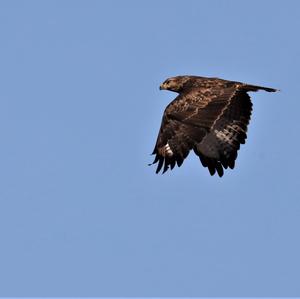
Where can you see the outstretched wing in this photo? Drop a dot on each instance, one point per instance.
(188, 123)
(218, 149)
(174, 142)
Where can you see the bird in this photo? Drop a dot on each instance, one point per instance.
(209, 116)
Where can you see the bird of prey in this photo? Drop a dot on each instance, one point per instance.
(209, 116)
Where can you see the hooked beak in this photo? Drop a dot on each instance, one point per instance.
(161, 87)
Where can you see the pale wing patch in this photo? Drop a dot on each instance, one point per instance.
(166, 151)
(220, 142)
(229, 133)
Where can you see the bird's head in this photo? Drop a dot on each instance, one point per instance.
(176, 84)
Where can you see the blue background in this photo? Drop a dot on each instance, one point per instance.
(81, 213)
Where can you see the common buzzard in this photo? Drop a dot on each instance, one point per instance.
(209, 116)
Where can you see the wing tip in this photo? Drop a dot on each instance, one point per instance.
(166, 163)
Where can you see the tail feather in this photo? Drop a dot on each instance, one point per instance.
(248, 87)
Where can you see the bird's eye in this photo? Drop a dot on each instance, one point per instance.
(167, 82)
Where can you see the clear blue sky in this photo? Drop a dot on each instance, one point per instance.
(81, 213)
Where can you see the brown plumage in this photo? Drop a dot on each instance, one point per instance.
(209, 116)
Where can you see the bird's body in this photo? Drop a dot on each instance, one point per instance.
(209, 116)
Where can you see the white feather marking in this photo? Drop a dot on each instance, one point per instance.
(227, 133)
(168, 150)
